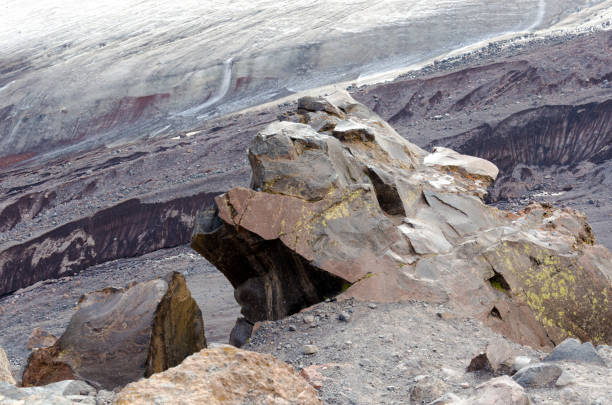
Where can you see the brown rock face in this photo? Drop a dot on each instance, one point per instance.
(39, 339)
(339, 200)
(222, 376)
(120, 335)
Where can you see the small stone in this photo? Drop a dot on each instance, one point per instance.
(372, 305)
(309, 349)
(308, 319)
(39, 339)
(344, 317)
(105, 397)
(495, 359)
(292, 328)
(312, 375)
(427, 390)
(538, 375)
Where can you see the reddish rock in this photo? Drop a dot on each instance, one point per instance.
(348, 206)
(313, 376)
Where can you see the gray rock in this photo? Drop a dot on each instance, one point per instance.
(82, 399)
(427, 389)
(538, 375)
(344, 317)
(500, 390)
(241, 332)
(309, 349)
(60, 393)
(572, 350)
(309, 319)
(105, 397)
(447, 399)
(564, 380)
(74, 387)
(496, 359)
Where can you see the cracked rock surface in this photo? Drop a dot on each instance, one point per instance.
(340, 203)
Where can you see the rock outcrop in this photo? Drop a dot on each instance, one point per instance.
(223, 376)
(6, 375)
(120, 335)
(340, 203)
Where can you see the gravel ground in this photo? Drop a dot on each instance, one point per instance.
(387, 353)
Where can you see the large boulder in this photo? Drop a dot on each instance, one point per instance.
(224, 375)
(120, 335)
(340, 203)
(6, 375)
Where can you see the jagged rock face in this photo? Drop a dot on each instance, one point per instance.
(120, 335)
(223, 376)
(341, 196)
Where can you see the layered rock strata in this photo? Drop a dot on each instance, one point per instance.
(120, 335)
(131, 228)
(340, 202)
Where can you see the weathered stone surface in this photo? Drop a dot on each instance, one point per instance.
(498, 391)
(446, 399)
(448, 158)
(119, 335)
(66, 392)
(6, 374)
(222, 376)
(427, 389)
(538, 375)
(572, 350)
(497, 359)
(350, 205)
(39, 339)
